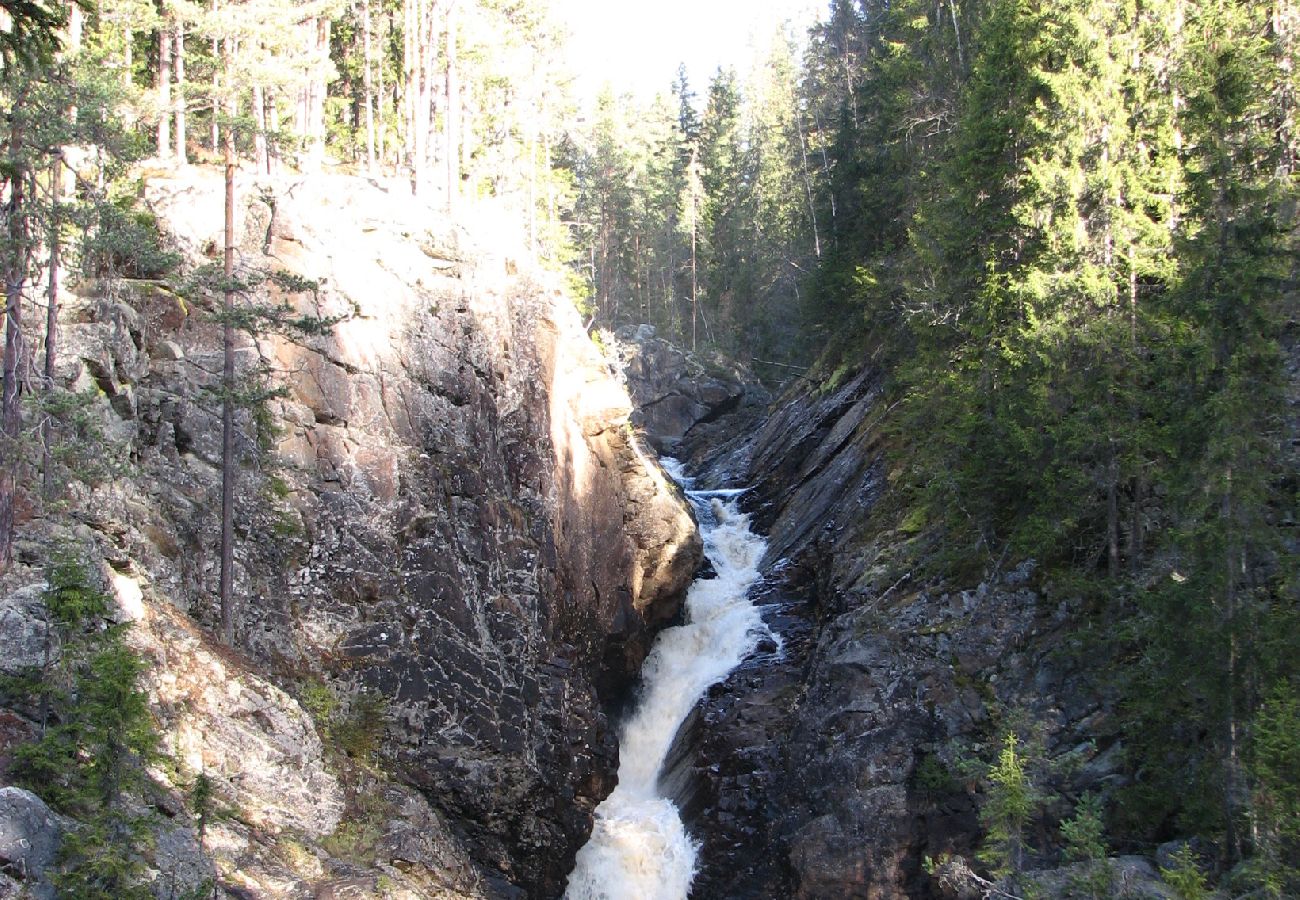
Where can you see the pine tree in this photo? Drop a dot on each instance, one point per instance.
(726, 211)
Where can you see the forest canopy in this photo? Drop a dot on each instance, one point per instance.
(1063, 231)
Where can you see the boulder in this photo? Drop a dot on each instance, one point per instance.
(22, 629)
(29, 839)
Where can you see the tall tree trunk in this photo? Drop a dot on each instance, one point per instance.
(695, 299)
(408, 82)
(216, 90)
(381, 102)
(260, 157)
(422, 93)
(317, 123)
(272, 120)
(15, 278)
(76, 26)
(178, 99)
(51, 324)
(451, 112)
(531, 143)
(228, 463)
(128, 59)
(1283, 26)
(368, 87)
(808, 190)
(1112, 513)
(164, 84)
(1235, 793)
(1139, 452)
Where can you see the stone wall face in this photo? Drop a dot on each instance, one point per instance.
(445, 506)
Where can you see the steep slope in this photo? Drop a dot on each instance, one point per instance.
(442, 506)
(835, 769)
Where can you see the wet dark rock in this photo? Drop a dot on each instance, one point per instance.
(799, 772)
(677, 392)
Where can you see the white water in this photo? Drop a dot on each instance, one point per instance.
(639, 848)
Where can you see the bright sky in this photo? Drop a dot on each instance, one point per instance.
(636, 45)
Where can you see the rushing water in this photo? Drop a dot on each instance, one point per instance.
(639, 848)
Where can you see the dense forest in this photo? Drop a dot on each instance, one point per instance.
(1064, 231)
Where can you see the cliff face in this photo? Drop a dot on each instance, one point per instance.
(444, 506)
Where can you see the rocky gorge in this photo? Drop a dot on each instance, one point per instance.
(450, 518)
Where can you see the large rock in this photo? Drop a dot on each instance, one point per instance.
(675, 390)
(22, 629)
(30, 835)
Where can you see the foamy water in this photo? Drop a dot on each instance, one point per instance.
(639, 848)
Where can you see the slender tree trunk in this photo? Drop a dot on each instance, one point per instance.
(322, 49)
(551, 215)
(808, 191)
(1139, 481)
(76, 26)
(1234, 780)
(381, 102)
(47, 658)
(826, 165)
(164, 83)
(531, 143)
(51, 324)
(128, 58)
(423, 94)
(261, 160)
(420, 107)
(182, 114)
(1283, 26)
(216, 91)
(408, 83)
(273, 123)
(952, 9)
(368, 87)
(15, 278)
(1112, 514)
(694, 288)
(228, 463)
(451, 112)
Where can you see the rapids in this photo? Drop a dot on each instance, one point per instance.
(639, 848)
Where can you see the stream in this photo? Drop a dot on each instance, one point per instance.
(639, 848)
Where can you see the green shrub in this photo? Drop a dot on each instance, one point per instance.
(1085, 842)
(360, 734)
(98, 735)
(1009, 802)
(933, 779)
(1186, 877)
(1276, 796)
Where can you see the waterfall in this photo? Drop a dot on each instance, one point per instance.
(639, 848)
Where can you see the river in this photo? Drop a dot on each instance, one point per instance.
(639, 848)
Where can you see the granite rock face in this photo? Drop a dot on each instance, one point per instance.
(675, 390)
(29, 841)
(443, 506)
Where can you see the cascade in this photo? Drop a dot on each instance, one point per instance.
(639, 848)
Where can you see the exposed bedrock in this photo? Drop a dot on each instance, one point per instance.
(448, 507)
(677, 392)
